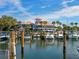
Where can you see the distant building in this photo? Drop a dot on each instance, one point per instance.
(43, 25)
(40, 25)
(28, 22)
(21, 29)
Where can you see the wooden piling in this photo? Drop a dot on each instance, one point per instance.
(16, 37)
(31, 38)
(12, 46)
(22, 42)
(64, 45)
(31, 33)
(0, 35)
(22, 55)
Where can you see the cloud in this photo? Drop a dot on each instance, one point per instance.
(18, 4)
(66, 12)
(45, 6)
(24, 11)
(3, 3)
(9, 12)
(46, 3)
(65, 2)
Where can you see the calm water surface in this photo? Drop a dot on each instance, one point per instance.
(40, 49)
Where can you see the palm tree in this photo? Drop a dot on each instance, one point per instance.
(72, 24)
(58, 23)
(64, 27)
(76, 24)
(53, 23)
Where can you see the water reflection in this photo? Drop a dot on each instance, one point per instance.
(22, 54)
(3, 51)
(64, 50)
(41, 44)
(42, 49)
(34, 48)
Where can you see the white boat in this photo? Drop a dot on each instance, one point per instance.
(36, 36)
(4, 34)
(49, 36)
(74, 35)
(60, 35)
(4, 38)
(27, 37)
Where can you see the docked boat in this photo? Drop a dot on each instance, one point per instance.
(59, 35)
(4, 37)
(27, 36)
(49, 36)
(36, 36)
(74, 35)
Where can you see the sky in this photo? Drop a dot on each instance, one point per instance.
(51, 10)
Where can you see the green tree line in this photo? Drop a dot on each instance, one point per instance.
(6, 22)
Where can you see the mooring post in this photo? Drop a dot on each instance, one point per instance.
(0, 36)
(22, 42)
(12, 46)
(64, 45)
(16, 37)
(31, 33)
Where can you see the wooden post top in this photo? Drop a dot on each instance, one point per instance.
(13, 36)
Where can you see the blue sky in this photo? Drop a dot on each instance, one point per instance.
(64, 10)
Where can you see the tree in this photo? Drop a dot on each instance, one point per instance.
(76, 28)
(53, 22)
(59, 28)
(76, 24)
(58, 23)
(6, 22)
(71, 23)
